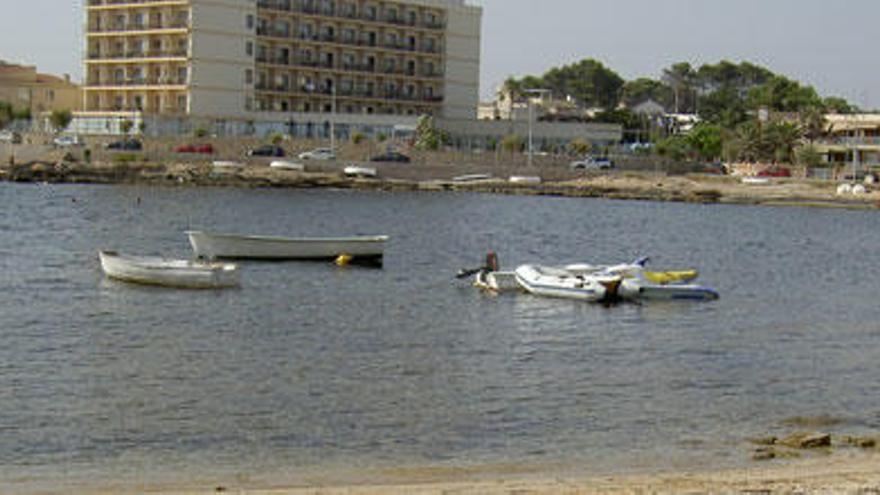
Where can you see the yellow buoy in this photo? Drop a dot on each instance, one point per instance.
(344, 259)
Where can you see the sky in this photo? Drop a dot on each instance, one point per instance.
(827, 44)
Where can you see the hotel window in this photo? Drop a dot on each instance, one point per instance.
(249, 21)
(181, 75)
(249, 48)
(248, 76)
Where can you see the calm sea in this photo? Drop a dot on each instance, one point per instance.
(309, 369)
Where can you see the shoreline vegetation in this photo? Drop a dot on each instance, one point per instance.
(642, 185)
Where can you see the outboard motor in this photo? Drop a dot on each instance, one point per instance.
(492, 264)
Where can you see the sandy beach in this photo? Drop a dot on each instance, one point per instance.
(849, 473)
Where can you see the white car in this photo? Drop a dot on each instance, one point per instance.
(67, 141)
(592, 163)
(318, 154)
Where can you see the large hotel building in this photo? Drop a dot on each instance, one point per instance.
(279, 63)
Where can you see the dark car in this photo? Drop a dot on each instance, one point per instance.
(391, 156)
(126, 145)
(267, 150)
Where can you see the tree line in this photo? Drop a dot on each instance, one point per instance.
(726, 96)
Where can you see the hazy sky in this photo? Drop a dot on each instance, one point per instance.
(832, 45)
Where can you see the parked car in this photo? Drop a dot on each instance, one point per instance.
(775, 171)
(592, 163)
(318, 154)
(129, 144)
(391, 156)
(10, 137)
(67, 141)
(267, 150)
(195, 148)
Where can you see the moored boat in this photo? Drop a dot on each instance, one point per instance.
(154, 270)
(635, 288)
(214, 245)
(285, 165)
(558, 282)
(358, 171)
(496, 281)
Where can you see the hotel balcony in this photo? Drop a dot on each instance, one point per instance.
(134, 27)
(110, 4)
(355, 94)
(312, 9)
(362, 68)
(357, 42)
(134, 56)
(156, 83)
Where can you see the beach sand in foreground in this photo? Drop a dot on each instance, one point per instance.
(840, 473)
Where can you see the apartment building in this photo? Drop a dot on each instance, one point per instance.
(26, 89)
(281, 62)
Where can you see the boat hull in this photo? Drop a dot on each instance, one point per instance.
(214, 246)
(554, 282)
(496, 281)
(163, 272)
(635, 289)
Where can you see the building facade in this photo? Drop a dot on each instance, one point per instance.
(281, 63)
(24, 88)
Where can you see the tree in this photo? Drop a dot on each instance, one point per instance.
(589, 82)
(125, 126)
(276, 138)
(644, 89)
(813, 123)
(681, 78)
(200, 132)
(60, 119)
(512, 143)
(836, 104)
(358, 137)
(5, 113)
(579, 147)
(428, 137)
(706, 140)
(782, 138)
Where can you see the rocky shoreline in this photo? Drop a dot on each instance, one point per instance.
(625, 185)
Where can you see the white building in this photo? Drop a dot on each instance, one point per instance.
(291, 65)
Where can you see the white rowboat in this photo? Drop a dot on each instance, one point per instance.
(154, 270)
(212, 246)
(285, 165)
(555, 282)
(357, 171)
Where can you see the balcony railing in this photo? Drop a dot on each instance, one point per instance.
(359, 42)
(108, 3)
(363, 93)
(137, 81)
(135, 54)
(345, 66)
(134, 26)
(851, 141)
(382, 17)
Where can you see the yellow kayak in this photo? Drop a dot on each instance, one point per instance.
(670, 277)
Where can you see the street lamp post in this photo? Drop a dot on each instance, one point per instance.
(539, 92)
(333, 119)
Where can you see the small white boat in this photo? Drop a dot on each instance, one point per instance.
(524, 179)
(213, 245)
(227, 164)
(153, 270)
(558, 282)
(755, 181)
(471, 177)
(285, 165)
(496, 281)
(358, 171)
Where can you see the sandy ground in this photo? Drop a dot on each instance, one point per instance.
(840, 473)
